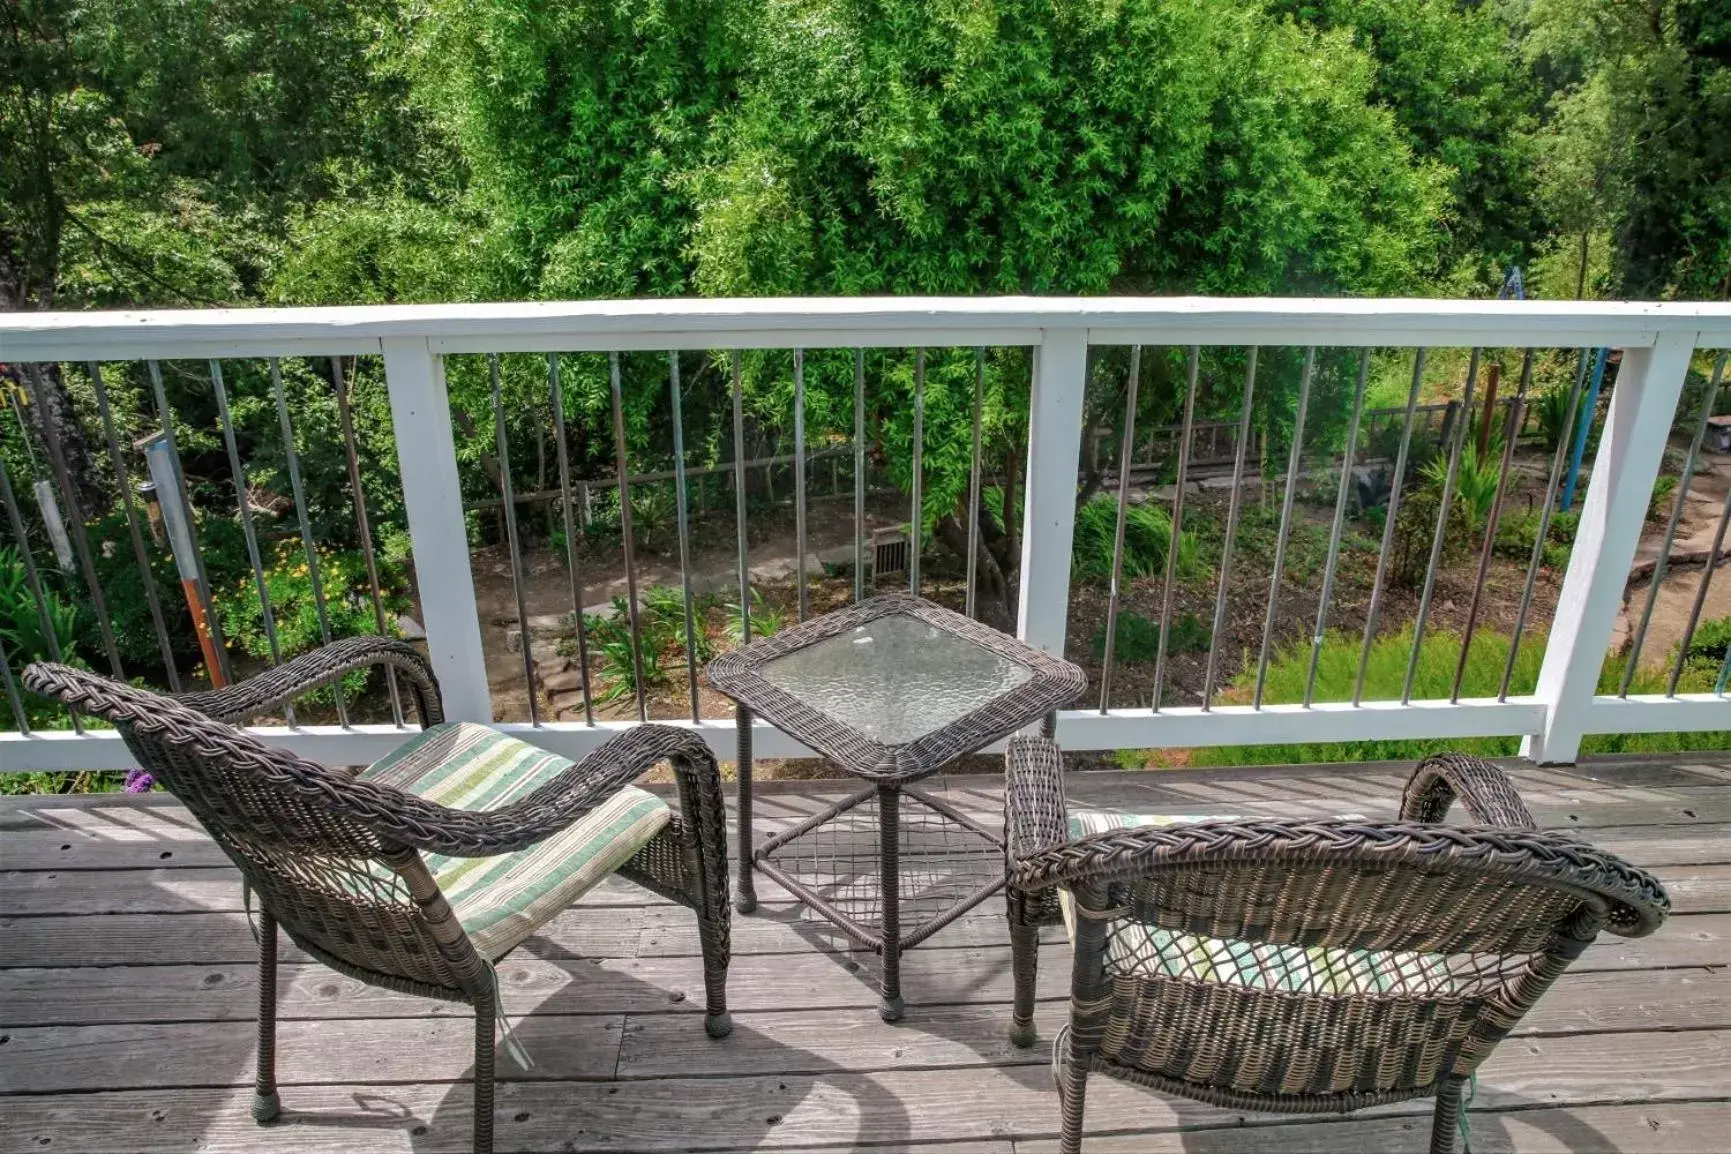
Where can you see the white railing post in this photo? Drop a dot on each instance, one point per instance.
(433, 498)
(1049, 506)
(1631, 449)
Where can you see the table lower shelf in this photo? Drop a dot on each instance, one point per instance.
(948, 864)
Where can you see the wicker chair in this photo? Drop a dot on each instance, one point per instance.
(1304, 966)
(337, 859)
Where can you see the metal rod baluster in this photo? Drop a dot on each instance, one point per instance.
(799, 474)
(314, 576)
(747, 900)
(739, 499)
(859, 477)
(685, 531)
(1700, 598)
(33, 580)
(1440, 537)
(1175, 538)
(1660, 563)
(1240, 451)
(1378, 583)
(501, 443)
(1544, 527)
(558, 398)
(207, 609)
(1130, 387)
(1511, 430)
(1335, 530)
(18, 714)
(76, 525)
(363, 527)
(919, 465)
(625, 532)
(238, 473)
(974, 485)
(139, 553)
(1293, 464)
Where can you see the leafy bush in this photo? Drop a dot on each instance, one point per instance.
(610, 642)
(1415, 533)
(1337, 669)
(1516, 532)
(766, 621)
(1147, 538)
(288, 580)
(1550, 410)
(1659, 506)
(1711, 640)
(1475, 482)
(664, 603)
(20, 620)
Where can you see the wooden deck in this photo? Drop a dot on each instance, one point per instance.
(127, 995)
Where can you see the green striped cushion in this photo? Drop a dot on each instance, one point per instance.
(502, 900)
(1153, 951)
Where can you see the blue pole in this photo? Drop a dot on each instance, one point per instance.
(1586, 422)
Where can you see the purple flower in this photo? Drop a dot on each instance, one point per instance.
(138, 781)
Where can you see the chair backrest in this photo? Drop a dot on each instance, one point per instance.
(1260, 960)
(312, 842)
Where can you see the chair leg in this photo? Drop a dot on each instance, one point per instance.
(747, 900)
(1448, 1104)
(1025, 962)
(890, 897)
(1072, 1079)
(485, 1013)
(714, 940)
(265, 1103)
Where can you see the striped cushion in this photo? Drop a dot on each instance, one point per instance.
(503, 899)
(1152, 951)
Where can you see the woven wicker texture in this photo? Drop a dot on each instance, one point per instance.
(336, 860)
(1306, 965)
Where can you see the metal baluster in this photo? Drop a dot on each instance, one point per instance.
(1334, 532)
(974, 485)
(80, 537)
(18, 713)
(1544, 526)
(685, 531)
(859, 477)
(919, 466)
(510, 507)
(739, 500)
(1700, 597)
(1377, 584)
(1130, 387)
(1439, 538)
(557, 389)
(139, 553)
(1511, 430)
(799, 474)
(1724, 674)
(239, 475)
(1240, 450)
(1293, 464)
(625, 533)
(207, 608)
(363, 527)
(1172, 543)
(33, 580)
(314, 575)
(1660, 563)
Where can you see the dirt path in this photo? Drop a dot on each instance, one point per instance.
(1682, 580)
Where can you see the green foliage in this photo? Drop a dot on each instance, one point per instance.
(21, 620)
(1147, 540)
(1139, 638)
(289, 583)
(1712, 638)
(1516, 532)
(766, 621)
(1476, 481)
(610, 643)
(1415, 532)
(1337, 670)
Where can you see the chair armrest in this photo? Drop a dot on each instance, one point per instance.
(1486, 791)
(261, 694)
(1034, 814)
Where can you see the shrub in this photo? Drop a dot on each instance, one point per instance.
(21, 621)
(1550, 410)
(1711, 640)
(1475, 483)
(1515, 535)
(1415, 532)
(766, 621)
(610, 642)
(1147, 538)
(1660, 503)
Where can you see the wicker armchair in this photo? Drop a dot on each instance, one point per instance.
(354, 868)
(1304, 966)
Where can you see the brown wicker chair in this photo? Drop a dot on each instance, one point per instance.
(336, 859)
(1304, 966)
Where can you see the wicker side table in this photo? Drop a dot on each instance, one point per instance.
(890, 690)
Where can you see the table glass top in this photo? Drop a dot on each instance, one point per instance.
(896, 678)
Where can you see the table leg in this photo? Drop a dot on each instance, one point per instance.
(747, 900)
(889, 856)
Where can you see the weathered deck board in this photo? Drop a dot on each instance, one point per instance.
(127, 993)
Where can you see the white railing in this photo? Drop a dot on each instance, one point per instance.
(1657, 339)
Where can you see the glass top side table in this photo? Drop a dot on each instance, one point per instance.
(891, 690)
